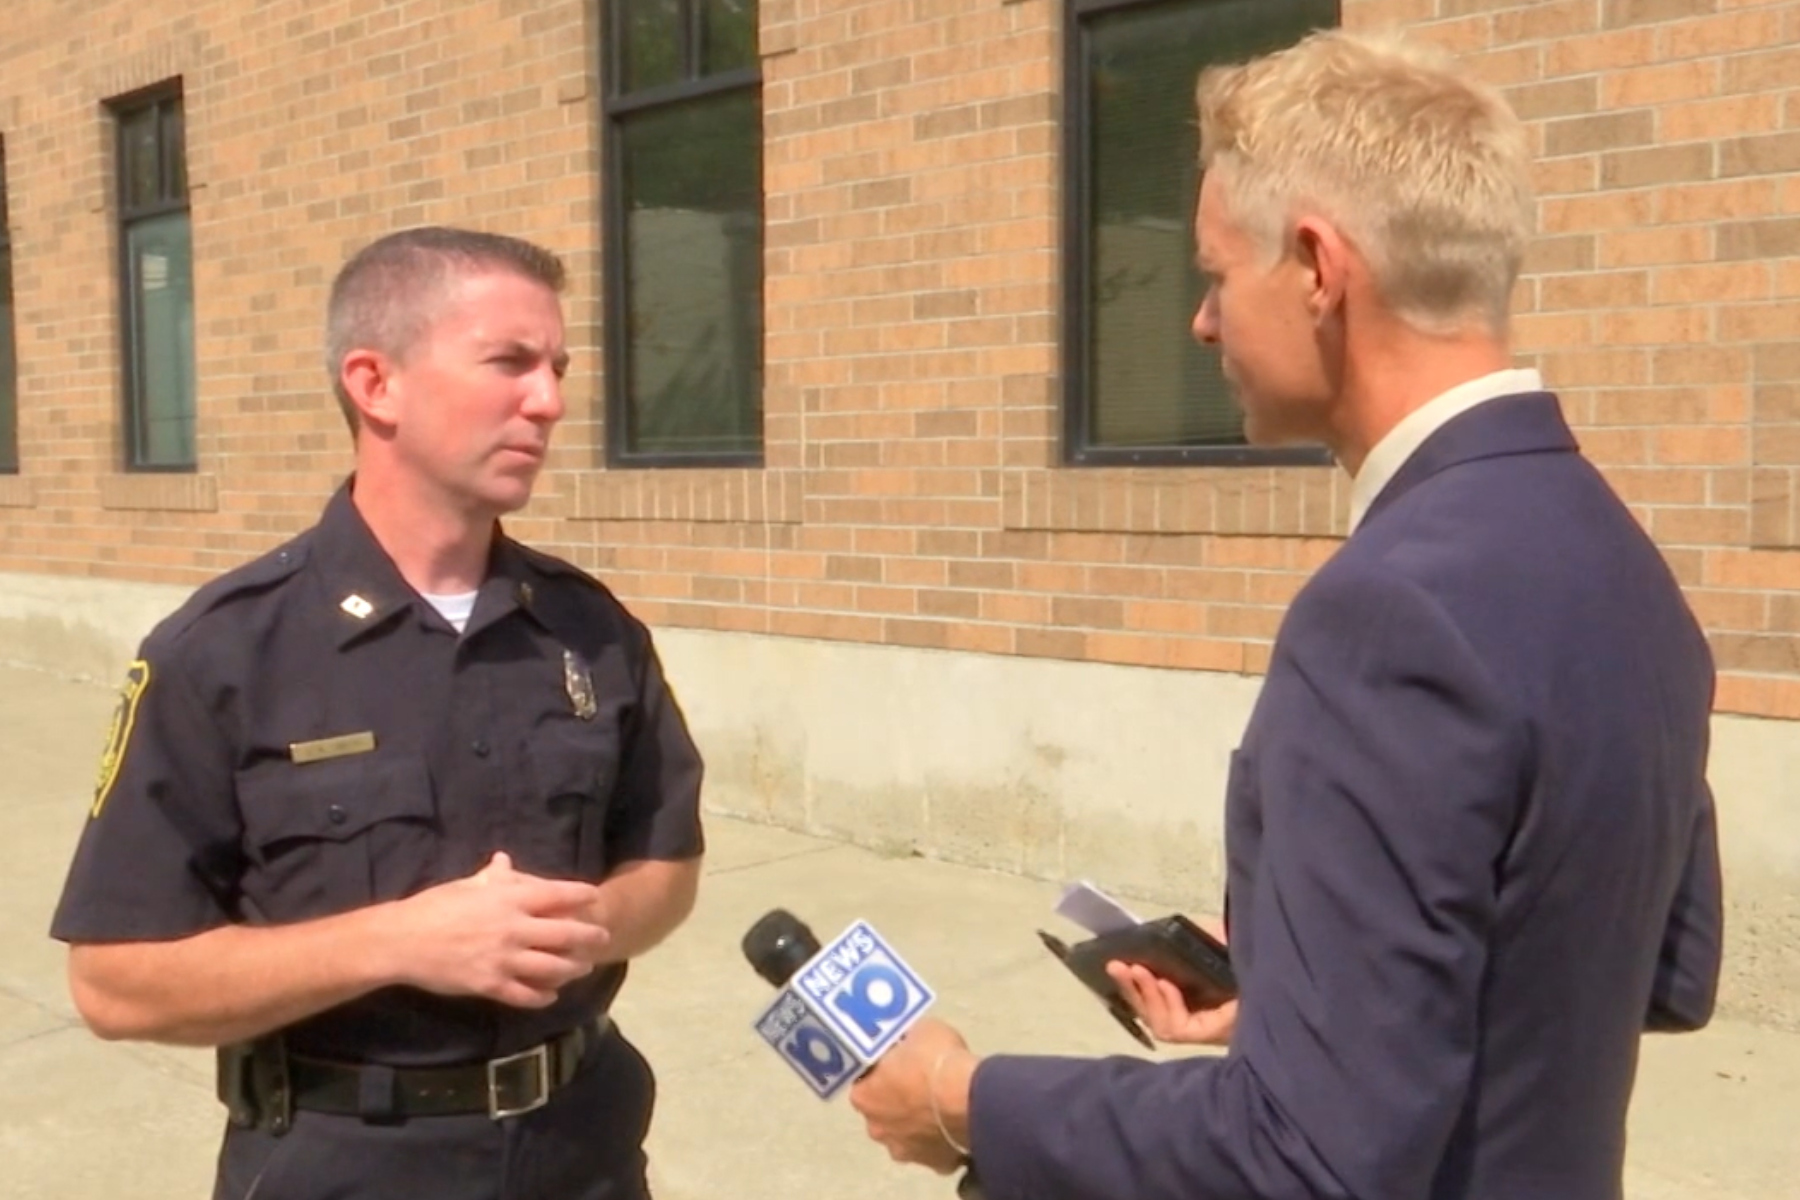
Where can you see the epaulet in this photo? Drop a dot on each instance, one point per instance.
(549, 564)
(256, 576)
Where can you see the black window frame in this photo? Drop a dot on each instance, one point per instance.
(1077, 253)
(615, 104)
(9, 342)
(162, 97)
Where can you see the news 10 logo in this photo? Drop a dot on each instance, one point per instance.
(843, 1009)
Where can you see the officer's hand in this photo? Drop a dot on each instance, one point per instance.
(500, 933)
(1159, 1003)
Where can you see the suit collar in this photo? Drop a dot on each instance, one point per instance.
(1527, 423)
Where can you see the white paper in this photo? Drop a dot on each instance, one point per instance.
(1093, 909)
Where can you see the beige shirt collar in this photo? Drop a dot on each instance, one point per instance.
(1392, 451)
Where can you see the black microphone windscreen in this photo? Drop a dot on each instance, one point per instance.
(778, 945)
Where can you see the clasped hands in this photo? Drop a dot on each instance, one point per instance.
(501, 933)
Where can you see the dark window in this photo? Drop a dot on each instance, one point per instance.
(684, 233)
(156, 282)
(9, 363)
(1137, 387)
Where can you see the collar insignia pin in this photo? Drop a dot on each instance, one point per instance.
(357, 607)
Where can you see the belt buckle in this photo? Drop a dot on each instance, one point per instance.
(500, 1091)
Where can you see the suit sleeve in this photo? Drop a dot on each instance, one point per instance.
(1385, 768)
(656, 807)
(159, 856)
(1687, 972)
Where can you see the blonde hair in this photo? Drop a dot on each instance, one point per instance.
(1426, 171)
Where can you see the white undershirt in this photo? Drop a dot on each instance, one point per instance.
(454, 609)
(1404, 439)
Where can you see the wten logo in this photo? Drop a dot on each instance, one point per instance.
(864, 990)
(807, 1045)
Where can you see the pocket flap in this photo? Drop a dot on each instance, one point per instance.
(332, 802)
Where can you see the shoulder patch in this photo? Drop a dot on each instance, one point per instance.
(137, 679)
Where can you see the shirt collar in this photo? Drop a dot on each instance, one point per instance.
(1404, 439)
(366, 589)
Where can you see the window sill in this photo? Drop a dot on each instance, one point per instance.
(1269, 501)
(160, 493)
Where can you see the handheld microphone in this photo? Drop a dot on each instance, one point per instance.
(838, 1007)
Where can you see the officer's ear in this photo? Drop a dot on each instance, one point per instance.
(370, 382)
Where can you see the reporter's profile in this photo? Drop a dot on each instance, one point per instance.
(1472, 852)
(387, 812)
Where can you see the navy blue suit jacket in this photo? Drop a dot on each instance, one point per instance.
(1472, 857)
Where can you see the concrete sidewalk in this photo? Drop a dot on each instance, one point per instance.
(1714, 1118)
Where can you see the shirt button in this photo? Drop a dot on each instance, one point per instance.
(479, 747)
(336, 814)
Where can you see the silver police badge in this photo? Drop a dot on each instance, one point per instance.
(580, 686)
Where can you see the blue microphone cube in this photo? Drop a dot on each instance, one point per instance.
(843, 1009)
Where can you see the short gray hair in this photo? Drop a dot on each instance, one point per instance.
(387, 295)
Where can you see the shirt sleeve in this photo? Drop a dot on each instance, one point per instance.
(655, 810)
(157, 858)
(1386, 769)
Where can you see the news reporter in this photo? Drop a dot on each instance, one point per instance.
(1473, 854)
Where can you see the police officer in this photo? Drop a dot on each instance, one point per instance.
(385, 813)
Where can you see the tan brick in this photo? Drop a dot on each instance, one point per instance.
(1655, 246)
(1555, 98)
(1593, 290)
(1603, 51)
(1708, 446)
(1658, 164)
(1723, 34)
(1723, 200)
(1710, 120)
(1760, 155)
(1759, 240)
(1605, 131)
(1760, 70)
(1658, 83)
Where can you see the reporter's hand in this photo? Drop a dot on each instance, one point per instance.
(500, 933)
(1161, 1006)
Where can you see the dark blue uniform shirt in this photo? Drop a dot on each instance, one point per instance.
(241, 785)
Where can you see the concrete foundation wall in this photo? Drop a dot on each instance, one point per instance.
(1051, 769)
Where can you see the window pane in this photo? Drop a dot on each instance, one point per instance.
(730, 35)
(174, 150)
(160, 258)
(693, 275)
(9, 367)
(141, 185)
(1149, 384)
(652, 35)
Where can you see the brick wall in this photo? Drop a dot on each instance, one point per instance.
(912, 493)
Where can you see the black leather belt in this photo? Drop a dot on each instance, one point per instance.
(500, 1087)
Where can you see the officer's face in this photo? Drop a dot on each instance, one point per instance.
(477, 396)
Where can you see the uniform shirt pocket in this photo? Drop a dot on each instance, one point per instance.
(573, 771)
(325, 838)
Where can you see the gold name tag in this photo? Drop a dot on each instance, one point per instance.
(336, 747)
